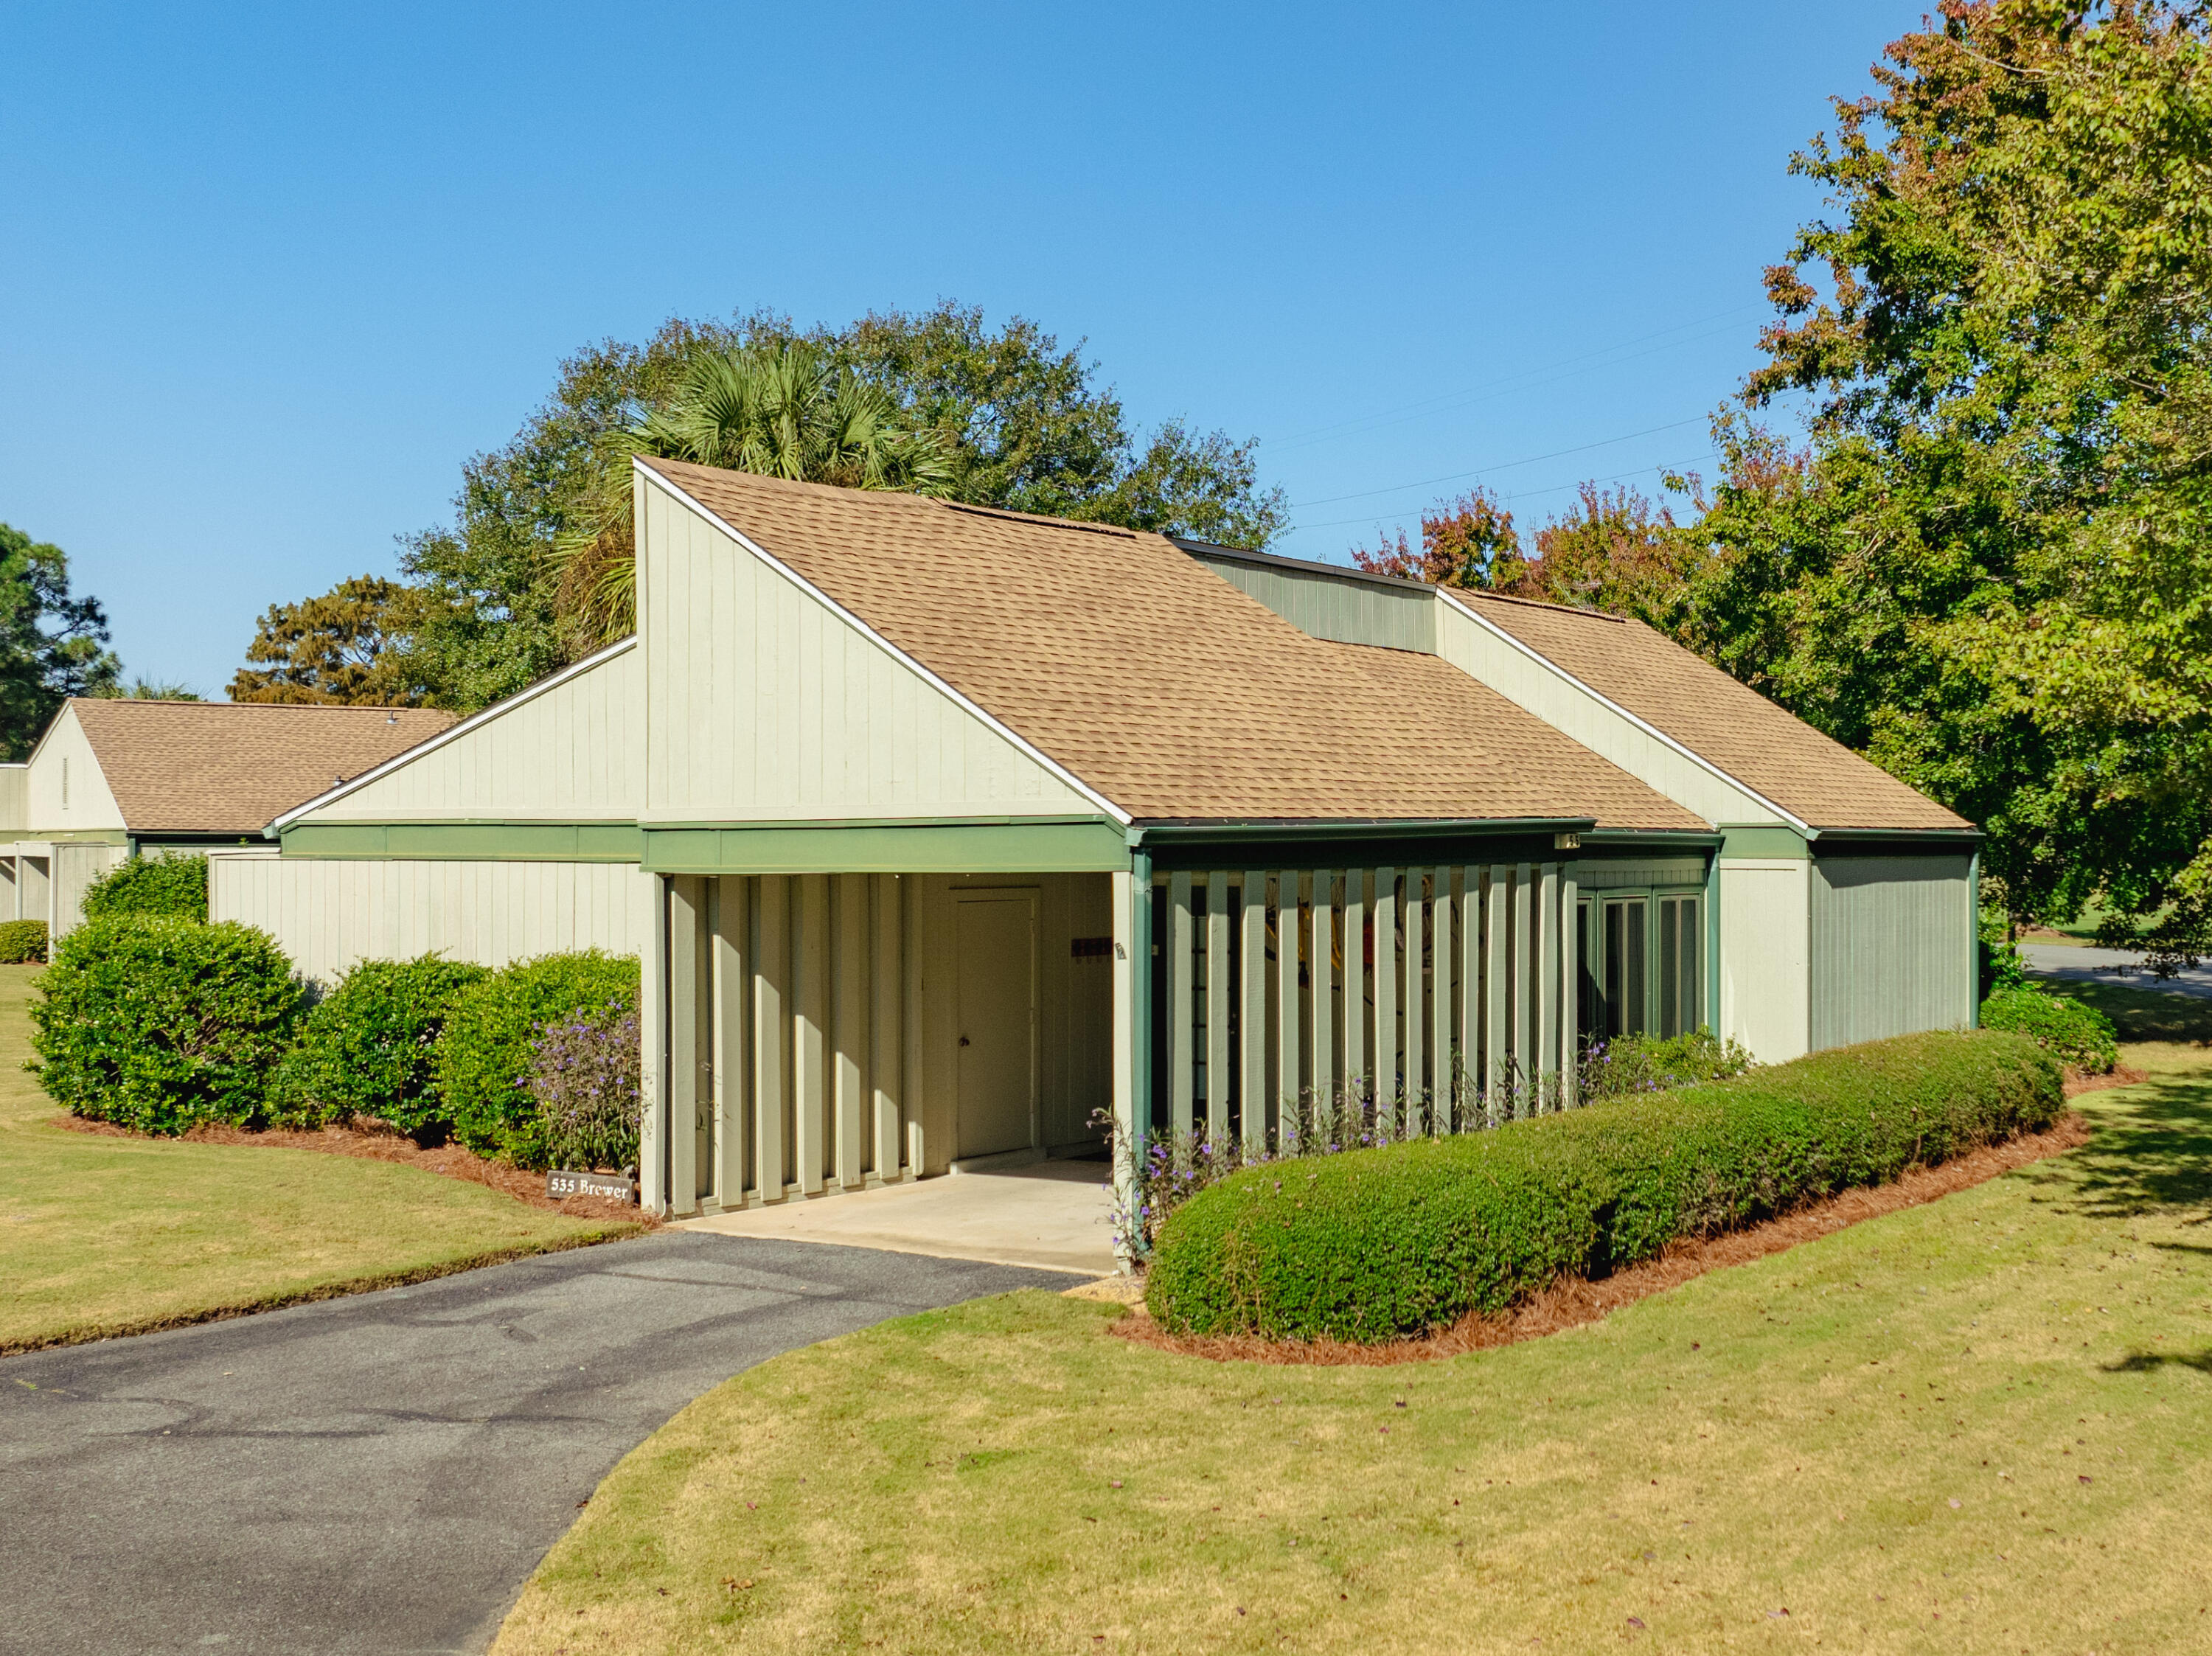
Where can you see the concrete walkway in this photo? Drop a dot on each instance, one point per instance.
(1053, 1215)
(379, 1475)
(2071, 964)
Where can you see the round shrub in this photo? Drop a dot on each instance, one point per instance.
(367, 1046)
(587, 1075)
(2071, 1031)
(175, 886)
(160, 1024)
(483, 1057)
(1378, 1243)
(21, 941)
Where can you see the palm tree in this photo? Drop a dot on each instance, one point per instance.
(790, 412)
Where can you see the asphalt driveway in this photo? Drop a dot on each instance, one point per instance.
(379, 1474)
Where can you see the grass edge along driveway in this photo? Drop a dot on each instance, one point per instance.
(1980, 1425)
(101, 1236)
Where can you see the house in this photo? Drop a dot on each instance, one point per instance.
(112, 779)
(941, 829)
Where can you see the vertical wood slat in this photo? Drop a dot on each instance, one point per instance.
(1571, 989)
(653, 1049)
(1252, 1007)
(1547, 982)
(1416, 1030)
(1470, 979)
(733, 972)
(771, 1031)
(913, 1101)
(1132, 978)
(810, 1093)
(1217, 1006)
(684, 1043)
(1524, 1034)
(1288, 1029)
(1497, 1058)
(850, 1023)
(888, 1042)
(1321, 979)
(1387, 1072)
(1356, 1046)
(1441, 1074)
(1180, 942)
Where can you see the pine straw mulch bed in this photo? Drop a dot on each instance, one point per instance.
(374, 1145)
(1575, 1301)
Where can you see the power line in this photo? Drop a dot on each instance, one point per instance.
(1531, 494)
(1506, 465)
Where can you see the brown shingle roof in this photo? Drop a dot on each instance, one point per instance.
(1770, 751)
(230, 767)
(1157, 682)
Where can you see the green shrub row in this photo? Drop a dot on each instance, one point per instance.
(161, 1023)
(1378, 1243)
(173, 886)
(21, 941)
(2070, 1030)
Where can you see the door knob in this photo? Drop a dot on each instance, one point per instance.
(963, 1040)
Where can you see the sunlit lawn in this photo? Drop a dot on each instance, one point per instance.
(105, 1235)
(1981, 1425)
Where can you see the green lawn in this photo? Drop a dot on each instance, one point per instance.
(1981, 1425)
(105, 1235)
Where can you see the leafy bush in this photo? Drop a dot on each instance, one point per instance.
(483, 1057)
(586, 1074)
(367, 1047)
(1647, 1064)
(2002, 966)
(2070, 1030)
(175, 886)
(21, 941)
(1376, 1244)
(160, 1023)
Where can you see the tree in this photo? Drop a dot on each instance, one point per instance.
(342, 646)
(506, 595)
(142, 688)
(53, 646)
(1470, 541)
(1990, 563)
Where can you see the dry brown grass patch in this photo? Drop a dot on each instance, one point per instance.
(1576, 1300)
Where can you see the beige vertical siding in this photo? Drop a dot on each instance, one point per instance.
(327, 915)
(74, 868)
(1765, 957)
(15, 800)
(572, 752)
(1892, 947)
(769, 705)
(1343, 608)
(90, 803)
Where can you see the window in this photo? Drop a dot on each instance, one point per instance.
(1623, 972)
(1681, 981)
(1642, 971)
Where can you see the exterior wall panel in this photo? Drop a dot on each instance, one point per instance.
(1765, 957)
(1892, 946)
(1351, 612)
(65, 792)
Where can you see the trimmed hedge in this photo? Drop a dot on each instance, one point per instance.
(484, 1056)
(22, 941)
(368, 1047)
(160, 1024)
(1378, 1243)
(174, 886)
(2070, 1030)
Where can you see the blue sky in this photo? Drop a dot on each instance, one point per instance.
(269, 275)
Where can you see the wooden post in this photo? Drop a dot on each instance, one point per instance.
(1356, 1046)
(1287, 1026)
(888, 1037)
(1388, 1075)
(734, 1171)
(652, 1041)
(1470, 980)
(1548, 984)
(1252, 1008)
(1416, 1020)
(1181, 941)
(1571, 989)
(684, 1044)
(771, 1034)
(809, 1031)
(1442, 1116)
(850, 1023)
(1497, 1056)
(1321, 979)
(1132, 968)
(1217, 1006)
(1524, 962)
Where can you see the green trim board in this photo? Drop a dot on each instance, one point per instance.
(1764, 843)
(1012, 848)
(471, 842)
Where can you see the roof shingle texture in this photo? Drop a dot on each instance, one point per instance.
(1157, 682)
(1773, 752)
(230, 767)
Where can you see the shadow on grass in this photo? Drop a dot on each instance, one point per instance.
(2144, 1362)
(2152, 1152)
(2141, 1013)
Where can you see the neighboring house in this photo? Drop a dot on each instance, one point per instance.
(115, 779)
(939, 829)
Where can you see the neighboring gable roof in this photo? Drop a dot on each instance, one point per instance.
(1158, 684)
(1726, 723)
(230, 767)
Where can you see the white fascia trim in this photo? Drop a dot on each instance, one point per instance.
(453, 732)
(1643, 724)
(883, 644)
